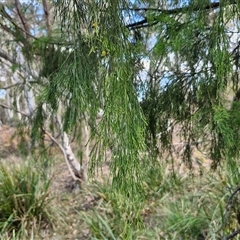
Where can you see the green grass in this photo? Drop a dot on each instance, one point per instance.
(25, 202)
(171, 206)
(174, 207)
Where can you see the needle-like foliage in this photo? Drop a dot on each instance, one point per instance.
(193, 59)
(98, 73)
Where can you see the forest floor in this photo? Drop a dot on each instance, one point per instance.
(66, 197)
(192, 207)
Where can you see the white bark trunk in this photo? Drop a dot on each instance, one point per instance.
(30, 100)
(9, 100)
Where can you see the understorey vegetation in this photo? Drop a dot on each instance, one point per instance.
(119, 119)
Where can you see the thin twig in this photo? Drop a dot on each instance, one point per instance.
(232, 235)
(11, 85)
(10, 59)
(14, 109)
(229, 204)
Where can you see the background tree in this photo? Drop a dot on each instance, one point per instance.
(193, 67)
(31, 53)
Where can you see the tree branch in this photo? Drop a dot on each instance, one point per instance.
(7, 29)
(73, 165)
(229, 204)
(232, 235)
(10, 86)
(11, 108)
(47, 16)
(5, 56)
(74, 173)
(212, 5)
(9, 18)
(22, 18)
(147, 23)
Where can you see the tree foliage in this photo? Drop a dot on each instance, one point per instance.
(98, 73)
(150, 65)
(194, 66)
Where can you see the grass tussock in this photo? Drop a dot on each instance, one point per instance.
(172, 206)
(25, 202)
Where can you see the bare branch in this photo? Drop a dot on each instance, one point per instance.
(4, 13)
(47, 16)
(7, 57)
(212, 5)
(22, 18)
(7, 29)
(229, 204)
(232, 235)
(14, 109)
(10, 59)
(11, 86)
(24, 41)
(147, 23)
